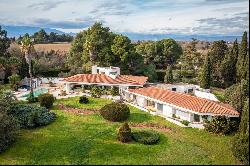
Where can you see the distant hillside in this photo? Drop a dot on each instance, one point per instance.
(179, 37)
(16, 31)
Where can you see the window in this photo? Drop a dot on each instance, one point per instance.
(160, 107)
(196, 118)
(97, 70)
(190, 90)
(150, 103)
(173, 89)
(112, 73)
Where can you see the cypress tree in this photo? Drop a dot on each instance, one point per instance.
(242, 59)
(205, 80)
(240, 144)
(235, 55)
(228, 69)
(169, 75)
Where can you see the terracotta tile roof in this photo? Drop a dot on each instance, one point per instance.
(186, 101)
(102, 78)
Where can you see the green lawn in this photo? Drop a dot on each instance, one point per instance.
(219, 93)
(89, 139)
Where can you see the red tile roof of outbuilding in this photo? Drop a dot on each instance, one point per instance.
(186, 101)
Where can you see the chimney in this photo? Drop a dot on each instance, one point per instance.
(94, 69)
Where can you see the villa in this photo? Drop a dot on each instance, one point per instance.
(176, 106)
(104, 77)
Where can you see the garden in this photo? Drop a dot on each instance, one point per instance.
(83, 133)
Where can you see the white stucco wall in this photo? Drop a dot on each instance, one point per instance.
(183, 115)
(205, 95)
(140, 101)
(167, 110)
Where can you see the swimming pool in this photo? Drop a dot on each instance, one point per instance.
(37, 92)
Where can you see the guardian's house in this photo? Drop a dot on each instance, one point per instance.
(176, 107)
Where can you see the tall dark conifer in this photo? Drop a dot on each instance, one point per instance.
(228, 69)
(205, 80)
(242, 59)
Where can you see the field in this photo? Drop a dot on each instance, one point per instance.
(64, 47)
(89, 139)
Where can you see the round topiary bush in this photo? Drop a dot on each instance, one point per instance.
(83, 100)
(46, 100)
(124, 133)
(115, 112)
(146, 137)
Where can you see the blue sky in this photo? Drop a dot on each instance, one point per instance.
(227, 17)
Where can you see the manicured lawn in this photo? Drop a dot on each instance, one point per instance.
(219, 93)
(89, 139)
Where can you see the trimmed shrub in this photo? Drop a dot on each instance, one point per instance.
(45, 118)
(30, 116)
(146, 137)
(83, 100)
(185, 122)
(46, 100)
(124, 133)
(8, 129)
(115, 112)
(221, 125)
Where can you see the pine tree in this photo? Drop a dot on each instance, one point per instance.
(169, 75)
(205, 80)
(242, 59)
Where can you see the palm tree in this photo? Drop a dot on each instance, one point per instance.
(89, 48)
(27, 47)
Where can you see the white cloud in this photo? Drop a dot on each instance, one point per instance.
(139, 16)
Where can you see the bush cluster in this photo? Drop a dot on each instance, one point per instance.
(96, 92)
(8, 129)
(146, 137)
(185, 122)
(114, 91)
(30, 116)
(46, 100)
(83, 100)
(221, 125)
(124, 133)
(115, 112)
